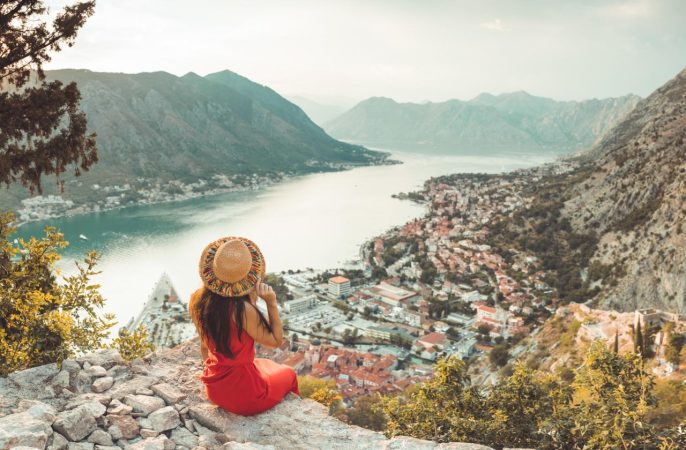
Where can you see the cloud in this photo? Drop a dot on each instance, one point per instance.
(628, 9)
(495, 25)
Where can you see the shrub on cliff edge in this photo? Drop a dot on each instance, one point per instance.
(42, 320)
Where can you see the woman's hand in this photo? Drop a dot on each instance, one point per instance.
(265, 292)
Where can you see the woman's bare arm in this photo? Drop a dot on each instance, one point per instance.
(254, 326)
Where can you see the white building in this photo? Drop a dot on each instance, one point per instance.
(301, 304)
(339, 286)
(412, 318)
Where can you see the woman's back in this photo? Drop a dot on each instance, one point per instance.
(242, 346)
(241, 383)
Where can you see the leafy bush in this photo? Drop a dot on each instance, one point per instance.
(133, 345)
(41, 320)
(321, 391)
(605, 404)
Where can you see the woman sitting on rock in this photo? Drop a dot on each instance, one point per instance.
(229, 324)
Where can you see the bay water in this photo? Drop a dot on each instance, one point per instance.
(314, 221)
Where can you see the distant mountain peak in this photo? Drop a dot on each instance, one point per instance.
(386, 100)
(505, 122)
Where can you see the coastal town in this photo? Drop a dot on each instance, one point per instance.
(99, 197)
(141, 192)
(430, 288)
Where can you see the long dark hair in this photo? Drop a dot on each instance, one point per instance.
(211, 312)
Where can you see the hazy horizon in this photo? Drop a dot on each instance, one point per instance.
(344, 52)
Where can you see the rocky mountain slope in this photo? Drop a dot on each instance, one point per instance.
(152, 123)
(162, 127)
(508, 122)
(99, 402)
(633, 196)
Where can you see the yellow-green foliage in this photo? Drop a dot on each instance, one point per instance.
(605, 406)
(44, 321)
(367, 412)
(322, 391)
(568, 338)
(41, 320)
(133, 345)
(445, 408)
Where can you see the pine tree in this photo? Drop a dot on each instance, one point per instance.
(42, 130)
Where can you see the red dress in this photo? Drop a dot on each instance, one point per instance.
(245, 385)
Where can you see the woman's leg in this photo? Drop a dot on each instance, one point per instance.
(281, 379)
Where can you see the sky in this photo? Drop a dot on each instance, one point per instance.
(341, 52)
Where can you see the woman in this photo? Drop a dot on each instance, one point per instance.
(229, 324)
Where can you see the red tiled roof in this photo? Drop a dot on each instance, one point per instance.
(433, 338)
(338, 279)
(488, 309)
(294, 359)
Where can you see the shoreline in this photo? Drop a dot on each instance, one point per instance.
(193, 195)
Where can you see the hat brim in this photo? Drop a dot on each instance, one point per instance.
(240, 287)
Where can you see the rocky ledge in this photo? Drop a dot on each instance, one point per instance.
(100, 402)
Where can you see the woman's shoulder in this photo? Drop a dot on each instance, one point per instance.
(251, 315)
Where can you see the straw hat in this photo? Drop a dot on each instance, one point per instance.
(230, 266)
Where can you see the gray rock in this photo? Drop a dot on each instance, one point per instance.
(30, 428)
(105, 358)
(208, 441)
(202, 431)
(119, 372)
(80, 446)
(117, 407)
(97, 371)
(169, 393)
(144, 391)
(139, 366)
(154, 443)
(61, 380)
(120, 391)
(165, 419)
(107, 447)
(246, 446)
(75, 424)
(82, 399)
(102, 384)
(95, 407)
(59, 442)
(147, 433)
(100, 437)
(182, 436)
(144, 404)
(82, 381)
(144, 422)
(122, 427)
(188, 423)
(33, 377)
(71, 366)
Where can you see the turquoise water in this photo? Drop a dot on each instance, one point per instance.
(316, 221)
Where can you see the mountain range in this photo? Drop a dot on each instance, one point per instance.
(152, 123)
(515, 121)
(163, 127)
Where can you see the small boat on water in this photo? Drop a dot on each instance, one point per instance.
(83, 237)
